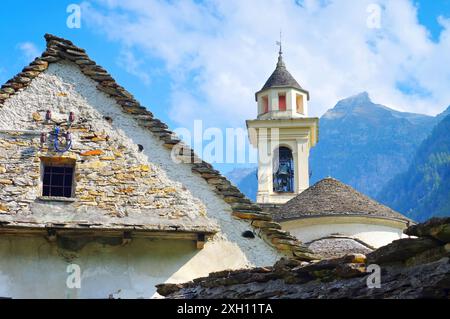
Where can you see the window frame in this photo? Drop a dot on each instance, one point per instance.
(265, 108)
(282, 97)
(57, 162)
(300, 107)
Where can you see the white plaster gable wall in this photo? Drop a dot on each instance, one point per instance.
(228, 249)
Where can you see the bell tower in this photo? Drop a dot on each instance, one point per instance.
(283, 134)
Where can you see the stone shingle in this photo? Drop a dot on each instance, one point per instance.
(282, 78)
(330, 197)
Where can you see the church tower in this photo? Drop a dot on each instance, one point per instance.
(283, 134)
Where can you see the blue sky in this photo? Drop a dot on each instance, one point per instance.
(205, 59)
(429, 11)
(22, 24)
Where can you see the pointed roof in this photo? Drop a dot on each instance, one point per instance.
(241, 208)
(330, 197)
(282, 78)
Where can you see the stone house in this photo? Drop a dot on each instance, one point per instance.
(89, 186)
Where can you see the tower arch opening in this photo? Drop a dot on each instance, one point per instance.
(283, 170)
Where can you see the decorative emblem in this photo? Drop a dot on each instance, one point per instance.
(60, 137)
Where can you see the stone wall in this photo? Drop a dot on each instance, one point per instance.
(109, 175)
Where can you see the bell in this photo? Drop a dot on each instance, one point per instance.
(283, 170)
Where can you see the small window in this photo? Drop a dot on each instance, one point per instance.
(58, 179)
(282, 102)
(300, 104)
(265, 104)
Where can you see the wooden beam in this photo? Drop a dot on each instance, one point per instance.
(126, 239)
(51, 235)
(200, 241)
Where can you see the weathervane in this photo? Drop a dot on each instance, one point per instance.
(279, 44)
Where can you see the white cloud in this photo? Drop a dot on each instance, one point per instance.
(133, 65)
(29, 50)
(218, 53)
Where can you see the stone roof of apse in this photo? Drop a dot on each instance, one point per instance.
(330, 197)
(59, 49)
(334, 246)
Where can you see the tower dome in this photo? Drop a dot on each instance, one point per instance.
(281, 77)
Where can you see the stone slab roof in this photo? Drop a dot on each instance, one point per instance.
(59, 49)
(330, 197)
(338, 246)
(65, 216)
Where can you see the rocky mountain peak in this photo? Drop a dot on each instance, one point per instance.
(350, 105)
(360, 99)
(445, 113)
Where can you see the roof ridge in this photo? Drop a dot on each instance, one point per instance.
(59, 49)
(343, 237)
(49, 37)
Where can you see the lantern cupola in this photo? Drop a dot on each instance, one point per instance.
(282, 96)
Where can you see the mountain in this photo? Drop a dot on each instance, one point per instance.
(246, 179)
(424, 189)
(362, 144)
